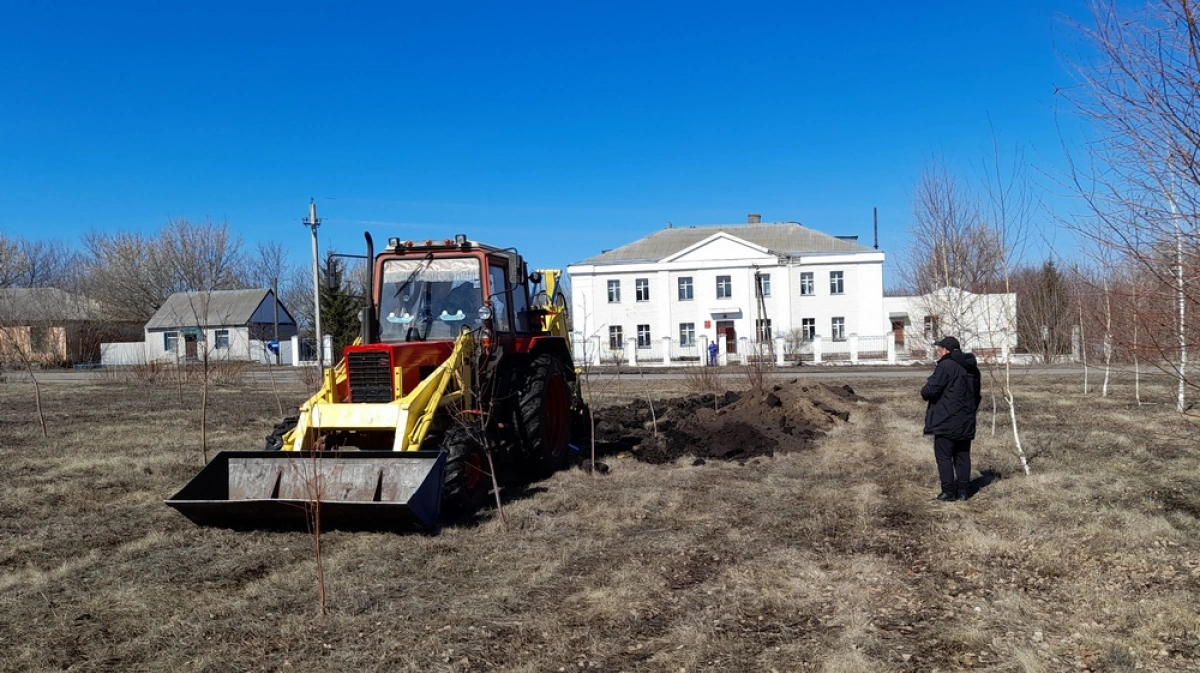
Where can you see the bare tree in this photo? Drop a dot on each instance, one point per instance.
(1141, 92)
(135, 273)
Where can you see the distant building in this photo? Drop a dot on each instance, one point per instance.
(224, 324)
(983, 323)
(740, 285)
(51, 327)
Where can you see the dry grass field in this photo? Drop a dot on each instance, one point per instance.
(834, 558)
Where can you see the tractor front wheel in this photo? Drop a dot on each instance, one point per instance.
(467, 479)
(275, 439)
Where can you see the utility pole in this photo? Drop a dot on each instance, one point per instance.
(312, 222)
(275, 297)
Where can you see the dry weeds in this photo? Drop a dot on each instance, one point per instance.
(834, 559)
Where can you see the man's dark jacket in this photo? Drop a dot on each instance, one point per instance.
(953, 393)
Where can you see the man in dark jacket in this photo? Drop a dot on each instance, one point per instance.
(953, 394)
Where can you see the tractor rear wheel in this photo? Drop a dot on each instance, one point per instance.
(544, 419)
(467, 480)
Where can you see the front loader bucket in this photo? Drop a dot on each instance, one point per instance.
(350, 490)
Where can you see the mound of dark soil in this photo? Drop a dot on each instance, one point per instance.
(731, 426)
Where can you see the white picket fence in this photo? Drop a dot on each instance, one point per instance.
(855, 349)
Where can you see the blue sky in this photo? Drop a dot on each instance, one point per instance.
(560, 128)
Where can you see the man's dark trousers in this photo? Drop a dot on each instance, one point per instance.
(953, 464)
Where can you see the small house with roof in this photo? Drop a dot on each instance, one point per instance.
(219, 324)
(672, 293)
(50, 327)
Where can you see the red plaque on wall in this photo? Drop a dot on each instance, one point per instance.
(707, 324)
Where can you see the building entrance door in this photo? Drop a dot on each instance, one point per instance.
(725, 329)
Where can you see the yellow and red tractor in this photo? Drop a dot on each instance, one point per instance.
(463, 370)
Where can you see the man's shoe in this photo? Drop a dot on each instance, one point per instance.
(946, 497)
(964, 492)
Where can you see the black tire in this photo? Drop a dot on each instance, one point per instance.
(543, 415)
(275, 439)
(467, 482)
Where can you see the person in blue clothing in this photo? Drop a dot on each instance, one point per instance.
(712, 354)
(953, 395)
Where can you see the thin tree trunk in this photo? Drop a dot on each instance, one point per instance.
(1083, 351)
(204, 411)
(1181, 299)
(1137, 370)
(1012, 414)
(37, 398)
(1107, 338)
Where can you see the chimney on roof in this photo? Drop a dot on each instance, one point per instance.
(754, 218)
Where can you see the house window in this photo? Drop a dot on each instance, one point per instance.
(687, 334)
(616, 337)
(685, 288)
(39, 339)
(762, 329)
(221, 339)
(806, 283)
(170, 341)
(641, 288)
(932, 328)
(643, 336)
(837, 329)
(836, 283)
(763, 284)
(724, 287)
(808, 328)
(614, 292)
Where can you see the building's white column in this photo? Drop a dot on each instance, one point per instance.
(891, 348)
(816, 344)
(666, 346)
(853, 349)
(779, 361)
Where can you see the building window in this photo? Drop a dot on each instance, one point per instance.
(836, 284)
(39, 339)
(762, 283)
(170, 341)
(614, 292)
(616, 338)
(641, 288)
(837, 329)
(687, 334)
(221, 339)
(806, 283)
(643, 336)
(762, 329)
(724, 287)
(685, 288)
(932, 329)
(808, 328)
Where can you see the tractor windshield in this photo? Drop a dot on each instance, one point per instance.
(430, 298)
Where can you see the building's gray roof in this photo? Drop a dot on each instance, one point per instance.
(218, 308)
(785, 239)
(45, 304)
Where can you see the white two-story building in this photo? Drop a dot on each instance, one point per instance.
(683, 287)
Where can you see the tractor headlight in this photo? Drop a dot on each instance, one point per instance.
(485, 312)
